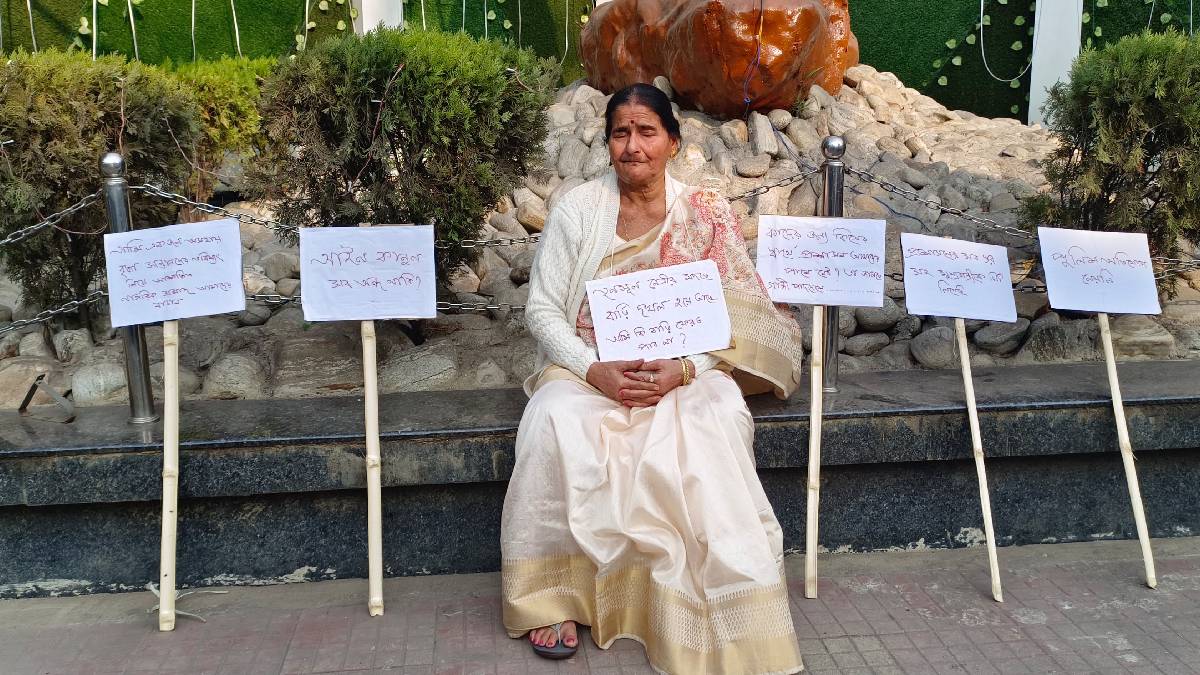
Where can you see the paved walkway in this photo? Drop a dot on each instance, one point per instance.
(1069, 608)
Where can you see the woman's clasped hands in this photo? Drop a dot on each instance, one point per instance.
(636, 384)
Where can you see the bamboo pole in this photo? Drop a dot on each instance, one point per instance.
(374, 478)
(1131, 479)
(816, 394)
(170, 476)
(374, 471)
(985, 500)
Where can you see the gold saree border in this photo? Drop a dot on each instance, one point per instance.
(746, 631)
(762, 359)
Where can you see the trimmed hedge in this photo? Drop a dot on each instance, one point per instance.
(269, 27)
(226, 92)
(62, 112)
(1129, 126)
(402, 127)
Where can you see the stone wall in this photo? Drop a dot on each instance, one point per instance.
(953, 158)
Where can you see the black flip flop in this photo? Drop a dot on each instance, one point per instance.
(559, 650)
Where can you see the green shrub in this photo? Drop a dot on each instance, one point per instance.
(1128, 123)
(402, 127)
(62, 112)
(226, 92)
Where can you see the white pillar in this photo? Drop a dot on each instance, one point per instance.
(1055, 46)
(372, 12)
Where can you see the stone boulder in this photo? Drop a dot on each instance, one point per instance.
(1052, 339)
(73, 345)
(202, 340)
(1135, 335)
(34, 344)
(703, 46)
(867, 344)
(255, 314)
(1001, 337)
(1031, 298)
(288, 287)
(876, 319)
(102, 382)
(281, 265)
(10, 345)
(522, 265)
(934, 348)
(16, 374)
(235, 376)
(322, 362)
(426, 368)
(189, 381)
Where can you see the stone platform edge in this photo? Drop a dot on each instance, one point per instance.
(243, 448)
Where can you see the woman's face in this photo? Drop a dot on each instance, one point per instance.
(639, 146)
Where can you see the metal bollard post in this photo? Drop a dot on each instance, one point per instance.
(831, 205)
(137, 361)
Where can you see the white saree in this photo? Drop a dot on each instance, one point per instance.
(647, 523)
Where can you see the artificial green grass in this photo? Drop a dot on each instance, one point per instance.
(907, 37)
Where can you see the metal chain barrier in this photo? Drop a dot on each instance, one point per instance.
(51, 221)
(535, 237)
(181, 200)
(276, 226)
(48, 314)
(1168, 266)
(276, 299)
(910, 195)
(899, 276)
(488, 243)
(764, 189)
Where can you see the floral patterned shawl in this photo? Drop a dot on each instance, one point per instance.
(766, 353)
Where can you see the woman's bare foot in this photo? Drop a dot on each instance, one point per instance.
(546, 637)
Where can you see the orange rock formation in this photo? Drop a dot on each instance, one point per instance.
(707, 48)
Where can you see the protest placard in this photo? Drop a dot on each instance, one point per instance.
(660, 313)
(174, 272)
(822, 261)
(1106, 272)
(949, 277)
(384, 272)
(1098, 271)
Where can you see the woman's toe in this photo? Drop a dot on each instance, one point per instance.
(569, 636)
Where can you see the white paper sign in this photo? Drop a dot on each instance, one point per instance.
(822, 261)
(174, 272)
(949, 277)
(1099, 271)
(366, 273)
(660, 313)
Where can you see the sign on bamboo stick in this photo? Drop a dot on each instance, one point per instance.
(813, 493)
(362, 274)
(1098, 271)
(165, 274)
(950, 277)
(1106, 272)
(822, 261)
(170, 476)
(964, 280)
(174, 272)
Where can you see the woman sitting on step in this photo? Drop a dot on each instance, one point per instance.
(634, 506)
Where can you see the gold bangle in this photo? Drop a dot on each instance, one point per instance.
(683, 363)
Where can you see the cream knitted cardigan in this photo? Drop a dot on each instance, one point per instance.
(578, 234)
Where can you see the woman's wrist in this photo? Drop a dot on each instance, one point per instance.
(688, 370)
